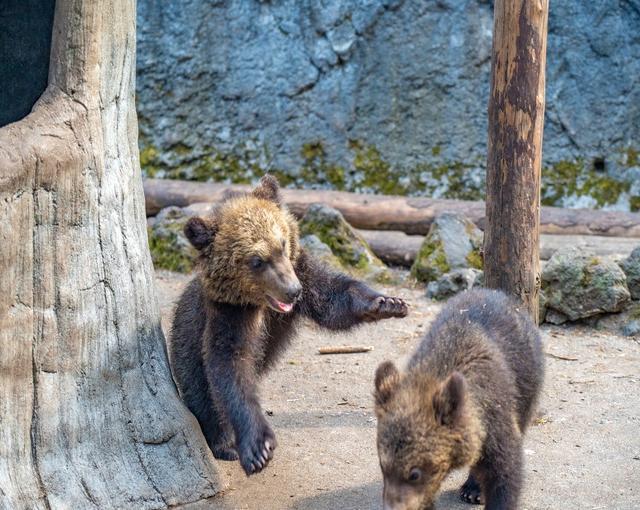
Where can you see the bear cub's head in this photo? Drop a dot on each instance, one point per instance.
(247, 250)
(425, 430)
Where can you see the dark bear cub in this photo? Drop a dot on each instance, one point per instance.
(466, 398)
(253, 286)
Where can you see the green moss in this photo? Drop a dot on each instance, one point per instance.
(317, 169)
(377, 174)
(149, 162)
(431, 261)
(634, 204)
(450, 180)
(166, 254)
(632, 157)
(435, 150)
(474, 259)
(571, 178)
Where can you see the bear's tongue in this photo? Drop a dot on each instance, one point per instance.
(285, 307)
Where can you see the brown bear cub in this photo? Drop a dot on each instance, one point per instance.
(253, 286)
(466, 398)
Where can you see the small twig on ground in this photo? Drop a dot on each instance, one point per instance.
(564, 358)
(344, 349)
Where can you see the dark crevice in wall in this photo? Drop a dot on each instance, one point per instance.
(25, 46)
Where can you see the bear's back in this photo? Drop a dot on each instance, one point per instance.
(490, 326)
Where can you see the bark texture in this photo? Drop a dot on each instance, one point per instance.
(89, 415)
(516, 117)
(385, 212)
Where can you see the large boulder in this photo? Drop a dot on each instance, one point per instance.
(631, 268)
(353, 252)
(453, 242)
(578, 285)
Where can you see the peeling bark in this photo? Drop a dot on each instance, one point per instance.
(516, 117)
(89, 415)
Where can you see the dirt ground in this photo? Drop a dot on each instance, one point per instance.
(583, 452)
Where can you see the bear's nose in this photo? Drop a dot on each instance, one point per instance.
(294, 292)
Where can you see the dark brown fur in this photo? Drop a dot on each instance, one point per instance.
(466, 399)
(228, 330)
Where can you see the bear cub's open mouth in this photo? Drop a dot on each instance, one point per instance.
(279, 306)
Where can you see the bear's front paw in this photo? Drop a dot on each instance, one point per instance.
(384, 307)
(470, 492)
(257, 450)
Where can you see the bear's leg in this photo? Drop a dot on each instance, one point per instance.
(231, 374)
(195, 392)
(502, 475)
(219, 434)
(470, 492)
(337, 301)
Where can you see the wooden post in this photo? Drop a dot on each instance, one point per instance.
(516, 118)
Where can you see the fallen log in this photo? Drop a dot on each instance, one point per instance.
(412, 215)
(399, 249)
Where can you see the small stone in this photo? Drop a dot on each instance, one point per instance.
(631, 328)
(579, 285)
(631, 268)
(451, 283)
(555, 317)
(453, 242)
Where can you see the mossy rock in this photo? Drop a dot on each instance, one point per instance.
(579, 285)
(169, 247)
(453, 242)
(631, 268)
(320, 251)
(353, 252)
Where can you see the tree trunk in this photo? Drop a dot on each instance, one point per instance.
(516, 118)
(89, 415)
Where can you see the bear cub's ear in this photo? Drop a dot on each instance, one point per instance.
(448, 402)
(268, 189)
(387, 380)
(200, 232)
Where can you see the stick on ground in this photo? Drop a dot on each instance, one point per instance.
(344, 349)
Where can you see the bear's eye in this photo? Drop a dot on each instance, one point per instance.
(256, 262)
(415, 475)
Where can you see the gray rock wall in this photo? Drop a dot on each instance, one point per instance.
(350, 91)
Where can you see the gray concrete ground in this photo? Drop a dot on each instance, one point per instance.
(582, 453)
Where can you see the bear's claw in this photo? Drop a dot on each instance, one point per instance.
(470, 492)
(384, 307)
(255, 453)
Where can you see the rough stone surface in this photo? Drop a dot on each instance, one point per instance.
(631, 268)
(453, 242)
(330, 227)
(262, 80)
(580, 285)
(632, 328)
(315, 247)
(451, 283)
(169, 247)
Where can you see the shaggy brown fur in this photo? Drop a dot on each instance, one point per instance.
(253, 286)
(465, 400)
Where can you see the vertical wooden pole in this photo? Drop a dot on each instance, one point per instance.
(516, 118)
